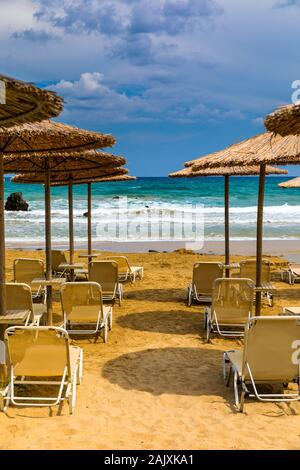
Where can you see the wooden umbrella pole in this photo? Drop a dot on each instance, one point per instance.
(226, 205)
(2, 249)
(48, 240)
(259, 235)
(71, 226)
(89, 220)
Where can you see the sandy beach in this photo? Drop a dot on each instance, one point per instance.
(156, 384)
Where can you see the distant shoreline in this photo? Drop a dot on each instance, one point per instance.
(287, 248)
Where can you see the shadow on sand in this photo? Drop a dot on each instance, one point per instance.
(177, 322)
(159, 295)
(178, 371)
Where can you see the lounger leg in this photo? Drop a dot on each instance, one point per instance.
(105, 332)
(120, 290)
(242, 401)
(226, 376)
(110, 319)
(72, 397)
(206, 314)
(270, 300)
(236, 391)
(80, 368)
(208, 328)
(190, 297)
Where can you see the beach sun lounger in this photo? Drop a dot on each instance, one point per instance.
(292, 274)
(232, 301)
(106, 273)
(83, 310)
(271, 355)
(59, 269)
(204, 275)
(127, 272)
(19, 298)
(248, 270)
(41, 359)
(26, 270)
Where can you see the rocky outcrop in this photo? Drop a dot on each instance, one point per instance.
(15, 202)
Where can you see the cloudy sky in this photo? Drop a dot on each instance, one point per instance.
(171, 79)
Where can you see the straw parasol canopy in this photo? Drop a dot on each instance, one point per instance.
(223, 171)
(294, 183)
(284, 120)
(24, 102)
(106, 179)
(262, 149)
(48, 136)
(69, 175)
(61, 162)
(39, 144)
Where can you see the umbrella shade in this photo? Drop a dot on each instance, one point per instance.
(294, 183)
(24, 102)
(284, 120)
(48, 136)
(61, 162)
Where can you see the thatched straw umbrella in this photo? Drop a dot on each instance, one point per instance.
(284, 120)
(50, 145)
(113, 178)
(69, 178)
(259, 150)
(294, 183)
(24, 102)
(226, 172)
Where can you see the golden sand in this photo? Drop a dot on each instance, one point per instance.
(156, 384)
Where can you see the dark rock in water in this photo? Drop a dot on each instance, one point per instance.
(85, 214)
(116, 197)
(15, 202)
(153, 251)
(147, 207)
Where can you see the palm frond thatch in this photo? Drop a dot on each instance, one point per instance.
(25, 102)
(61, 162)
(284, 120)
(47, 136)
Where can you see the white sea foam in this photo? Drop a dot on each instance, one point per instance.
(281, 221)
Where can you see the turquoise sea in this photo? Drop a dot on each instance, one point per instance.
(155, 198)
